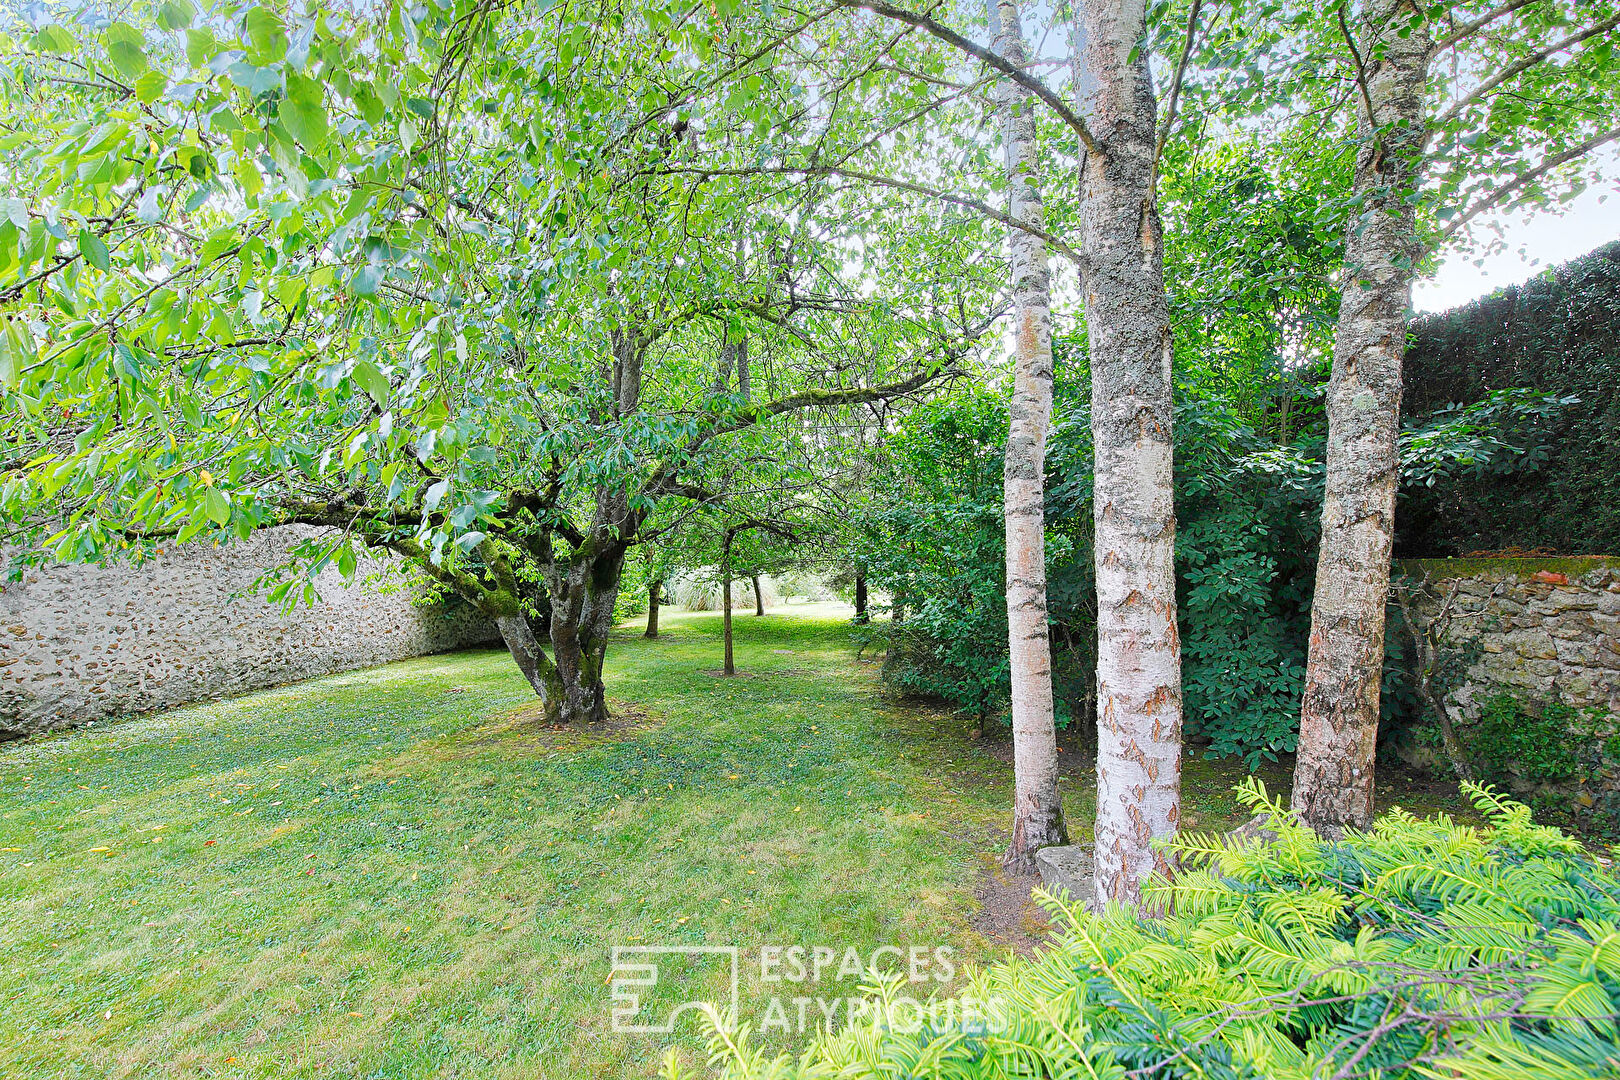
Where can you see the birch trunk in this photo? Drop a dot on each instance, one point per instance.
(1128, 329)
(1037, 807)
(1333, 774)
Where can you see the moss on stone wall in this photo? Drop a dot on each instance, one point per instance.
(1572, 566)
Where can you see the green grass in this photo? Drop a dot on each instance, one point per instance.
(382, 874)
(386, 874)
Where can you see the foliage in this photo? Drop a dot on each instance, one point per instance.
(447, 279)
(1555, 334)
(1245, 542)
(1512, 741)
(1248, 509)
(1557, 754)
(932, 536)
(1421, 949)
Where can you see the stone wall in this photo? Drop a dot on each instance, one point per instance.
(1527, 663)
(1544, 629)
(80, 643)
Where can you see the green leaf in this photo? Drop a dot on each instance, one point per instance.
(371, 379)
(176, 14)
(16, 352)
(265, 31)
(217, 506)
(93, 249)
(150, 87)
(303, 112)
(125, 48)
(217, 244)
(365, 281)
(54, 39)
(147, 209)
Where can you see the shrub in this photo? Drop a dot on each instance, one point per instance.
(1513, 742)
(1422, 949)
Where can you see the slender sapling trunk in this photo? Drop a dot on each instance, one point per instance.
(1037, 808)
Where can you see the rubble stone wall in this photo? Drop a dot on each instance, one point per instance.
(80, 643)
(1545, 629)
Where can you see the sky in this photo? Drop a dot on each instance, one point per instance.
(1534, 242)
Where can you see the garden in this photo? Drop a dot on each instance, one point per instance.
(584, 538)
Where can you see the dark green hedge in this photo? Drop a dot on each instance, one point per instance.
(1559, 333)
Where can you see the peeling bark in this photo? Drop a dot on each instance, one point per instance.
(1037, 807)
(1139, 704)
(1333, 774)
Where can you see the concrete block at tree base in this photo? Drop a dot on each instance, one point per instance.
(1068, 867)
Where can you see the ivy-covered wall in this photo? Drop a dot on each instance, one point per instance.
(80, 643)
(1559, 333)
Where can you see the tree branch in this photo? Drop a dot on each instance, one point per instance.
(986, 56)
(1521, 66)
(1469, 29)
(1175, 83)
(900, 185)
(1501, 191)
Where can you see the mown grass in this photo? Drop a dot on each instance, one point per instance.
(383, 874)
(393, 874)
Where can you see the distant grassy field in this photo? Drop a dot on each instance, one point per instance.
(395, 874)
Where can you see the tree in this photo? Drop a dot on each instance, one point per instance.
(1419, 134)
(1128, 332)
(331, 271)
(1127, 322)
(1037, 806)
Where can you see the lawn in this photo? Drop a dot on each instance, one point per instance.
(397, 874)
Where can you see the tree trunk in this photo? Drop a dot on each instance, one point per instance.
(655, 592)
(582, 598)
(759, 597)
(1128, 329)
(725, 601)
(1037, 808)
(860, 597)
(1333, 775)
(531, 660)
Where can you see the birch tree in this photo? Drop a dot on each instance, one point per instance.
(1458, 112)
(1128, 334)
(1037, 806)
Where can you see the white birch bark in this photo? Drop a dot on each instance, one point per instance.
(1128, 329)
(1333, 774)
(1037, 808)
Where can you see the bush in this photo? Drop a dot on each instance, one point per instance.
(1421, 949)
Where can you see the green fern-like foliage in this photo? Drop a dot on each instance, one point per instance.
(1420, 949)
